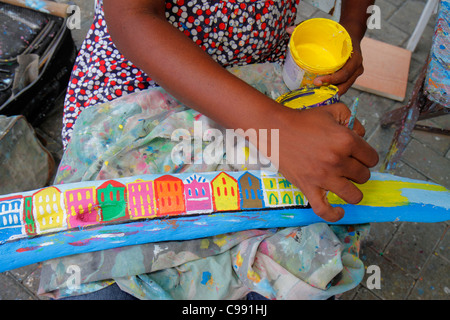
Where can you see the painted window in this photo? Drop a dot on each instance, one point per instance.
(273, 199)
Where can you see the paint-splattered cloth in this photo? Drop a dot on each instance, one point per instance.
(312, 262)
(231, 32)
(133, 135)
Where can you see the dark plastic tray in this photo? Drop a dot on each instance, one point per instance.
(53, 42)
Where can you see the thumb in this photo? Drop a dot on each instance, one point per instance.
(317, 198)
(341, 113)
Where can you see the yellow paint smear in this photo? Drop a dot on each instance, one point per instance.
(239, 259)
(385, 193)
(253, 276)
(220, 240)
(204, 244)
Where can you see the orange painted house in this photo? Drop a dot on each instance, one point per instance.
(169, 194)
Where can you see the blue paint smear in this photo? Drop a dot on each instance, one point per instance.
(206, 276)
(436, 198)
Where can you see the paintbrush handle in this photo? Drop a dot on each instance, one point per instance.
(353, 110)
(51, 7)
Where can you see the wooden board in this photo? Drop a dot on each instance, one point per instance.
(386, 69)
(89, 216)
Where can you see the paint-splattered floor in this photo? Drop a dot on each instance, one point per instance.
(413, 258)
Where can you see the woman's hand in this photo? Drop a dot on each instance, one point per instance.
(318, 153)
(354, 19)
(347, 75)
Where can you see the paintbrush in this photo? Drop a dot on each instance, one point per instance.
(353, 110)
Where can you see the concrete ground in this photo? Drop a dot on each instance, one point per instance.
(413, 258)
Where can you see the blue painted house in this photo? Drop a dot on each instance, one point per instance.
(11, 222)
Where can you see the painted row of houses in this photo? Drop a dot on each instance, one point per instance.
(50, 210)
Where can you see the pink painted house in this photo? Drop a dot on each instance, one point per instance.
(197, 192)
(141, 200)
(82, 207)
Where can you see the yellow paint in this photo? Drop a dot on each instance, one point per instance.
(239, 259)
(310, 52)
(50, 215)
(320, 46)
(280, 192)
(273, 197)
(270, 183)
(246, 151)
(220, 240)
(299, 198)
(226, 192)
(393, 151)
(253, 276)
(306, 97)
(204, 244)
(378, 193)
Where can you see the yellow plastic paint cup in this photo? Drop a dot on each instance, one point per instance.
(317, 47)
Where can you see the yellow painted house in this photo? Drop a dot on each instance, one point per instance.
(278, 192)
(48, 210)
(225, 192)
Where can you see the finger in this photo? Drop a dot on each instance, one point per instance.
(317, 198)
(336, 78)
(343, 87)
(359, 148)
(349, 72)
(355, 171)
(359, 129)
(364, 153)
(345, 190)
(339, 111)
(342, 115)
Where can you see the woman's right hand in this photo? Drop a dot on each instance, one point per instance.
(318, 153)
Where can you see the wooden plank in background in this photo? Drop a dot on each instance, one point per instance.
(386, 69)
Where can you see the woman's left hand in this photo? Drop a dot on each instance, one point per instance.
(347, 75)
(354, 15)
